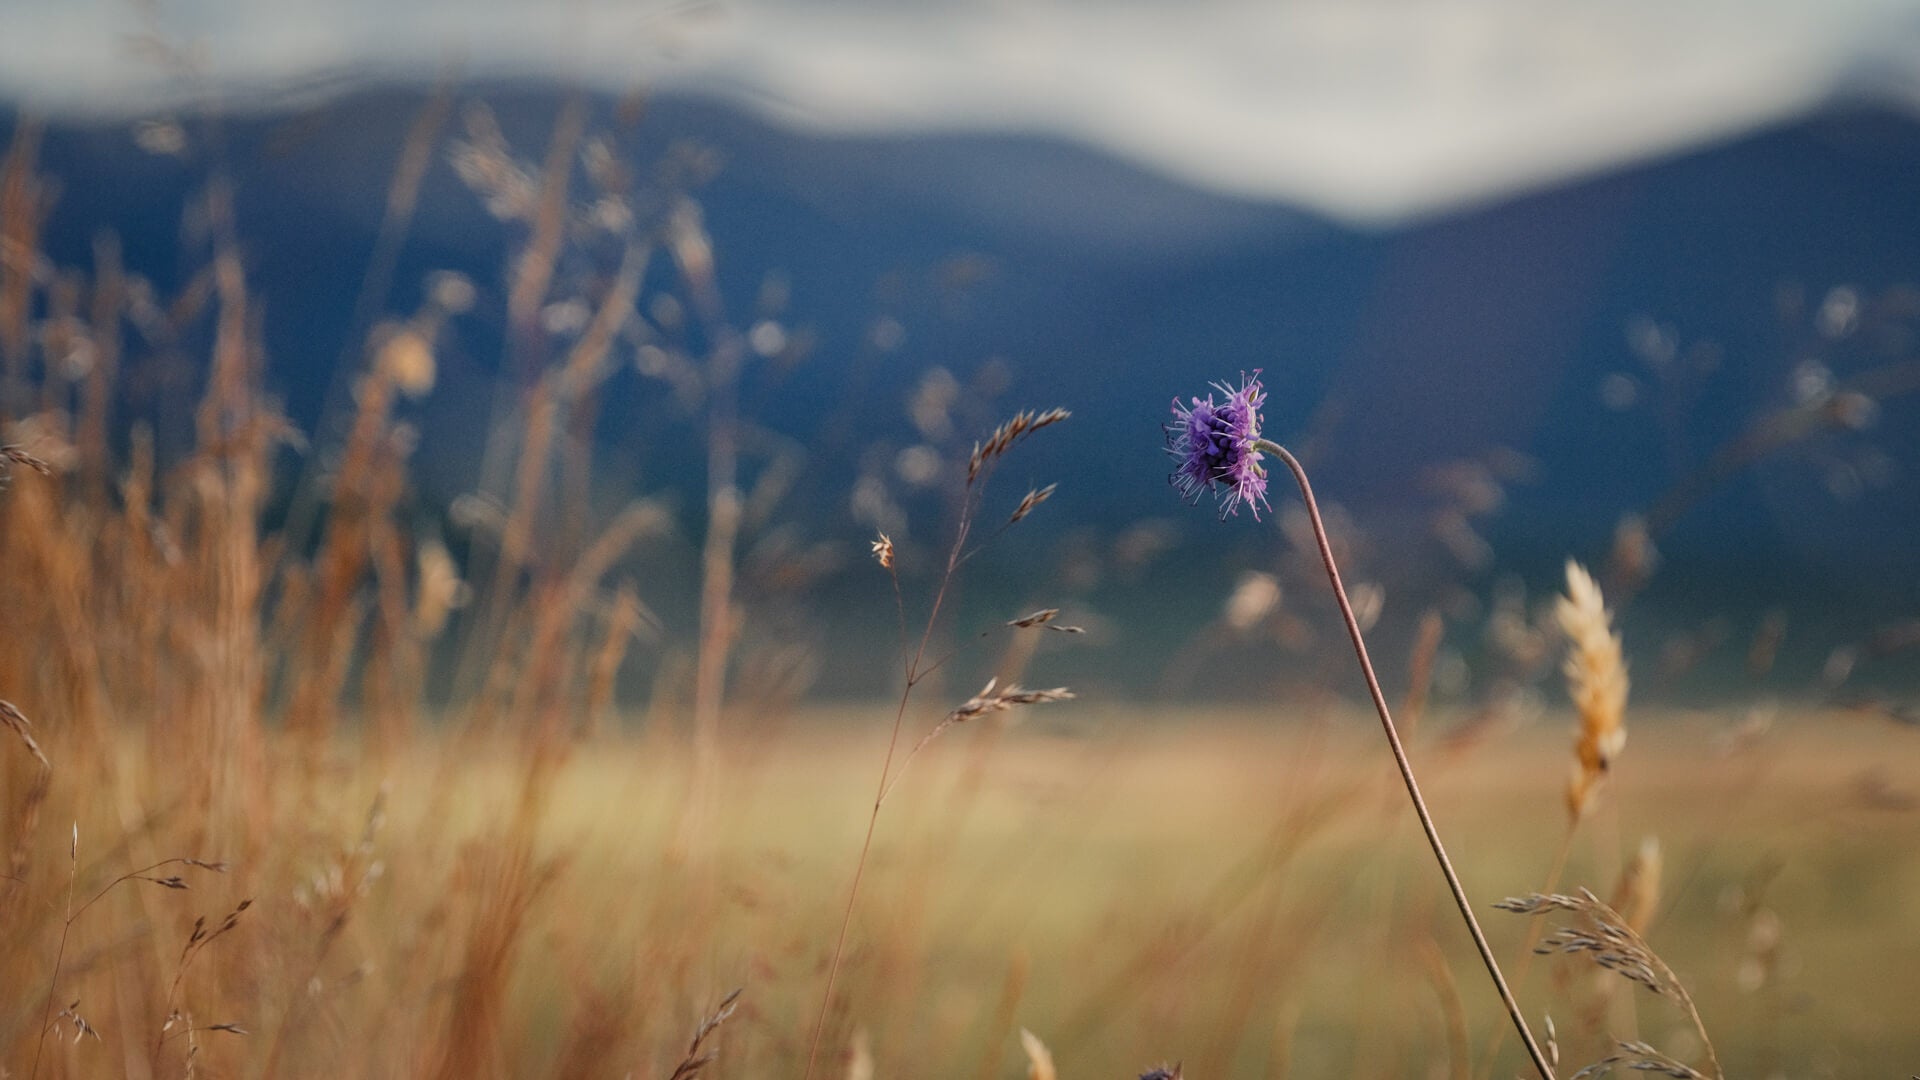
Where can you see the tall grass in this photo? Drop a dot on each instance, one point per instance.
(331, 793)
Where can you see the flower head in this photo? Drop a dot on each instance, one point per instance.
(1214, 444)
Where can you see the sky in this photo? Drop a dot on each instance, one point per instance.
(1374, 112)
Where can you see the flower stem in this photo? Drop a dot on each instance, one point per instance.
(1400, 758)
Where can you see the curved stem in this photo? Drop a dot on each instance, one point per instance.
(1400, 758)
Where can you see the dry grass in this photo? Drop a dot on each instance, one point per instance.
(1605, 936)
(352, 968)
(248, 835)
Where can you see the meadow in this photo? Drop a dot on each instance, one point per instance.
(291, 786)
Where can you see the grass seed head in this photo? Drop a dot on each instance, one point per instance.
(995, 698)
(1033, 499)
(15, 721)
(1596, 681)
(1022, 425)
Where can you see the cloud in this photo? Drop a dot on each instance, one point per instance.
(1367, 110)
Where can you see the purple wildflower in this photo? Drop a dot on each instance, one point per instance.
(1214, 443)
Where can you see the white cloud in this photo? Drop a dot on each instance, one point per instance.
(1372, 110)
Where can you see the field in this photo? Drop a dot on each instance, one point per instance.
(1249, 897)
(301, 777)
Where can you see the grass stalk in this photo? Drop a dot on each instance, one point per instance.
(1400, 758)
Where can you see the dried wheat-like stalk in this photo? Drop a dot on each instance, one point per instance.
(1597, 682)
(1605, 935)
(699, 1055)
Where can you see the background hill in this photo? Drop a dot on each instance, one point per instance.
(1614, 332)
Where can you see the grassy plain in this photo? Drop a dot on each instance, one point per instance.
(1248, 895)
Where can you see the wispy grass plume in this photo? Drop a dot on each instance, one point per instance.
(1596, 680)
(1604, 936)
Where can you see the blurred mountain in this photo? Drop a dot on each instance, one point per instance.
(1109, 289)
